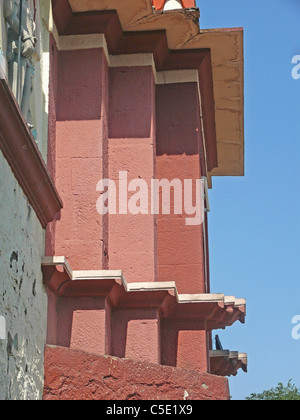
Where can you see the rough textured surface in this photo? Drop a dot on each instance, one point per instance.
(78, 156)
(226, 47)
(131, 148)
(23, 300)
(180, 155)
(75, 375)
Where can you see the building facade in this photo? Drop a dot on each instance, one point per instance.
(142, 109)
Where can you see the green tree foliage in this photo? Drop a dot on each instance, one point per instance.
(280, 393)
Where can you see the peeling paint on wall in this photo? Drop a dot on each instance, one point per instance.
(23, 300)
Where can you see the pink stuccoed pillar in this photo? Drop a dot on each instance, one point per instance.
(132, 237)
(131, 150)
(135, 335)
(77, 159)
(81, 235)
(180, 156)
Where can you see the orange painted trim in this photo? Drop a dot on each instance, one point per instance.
(159, 4)
(186, 4)
(22, 154)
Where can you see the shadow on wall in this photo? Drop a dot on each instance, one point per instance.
(89, 324)
(79, 84)
(130, 102)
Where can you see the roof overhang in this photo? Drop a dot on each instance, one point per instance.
(176, 41)
(226, 47)
(227, 363)
(217, 310)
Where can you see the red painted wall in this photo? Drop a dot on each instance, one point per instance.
(75, 375)
(103, 121)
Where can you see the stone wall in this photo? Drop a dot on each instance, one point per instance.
(23, 300)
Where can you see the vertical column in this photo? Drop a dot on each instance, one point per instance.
(78, 159)
(132, 231)
(81, 156)
(51, 153)
(81, 323)
(184, 345)
(192, 352)
(179, 148)
(180, 242)
(135, 334)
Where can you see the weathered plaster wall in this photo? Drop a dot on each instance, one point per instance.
(23, 300)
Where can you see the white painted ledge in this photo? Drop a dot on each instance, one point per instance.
(118, 276)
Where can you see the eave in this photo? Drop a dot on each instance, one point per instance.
(227, 363)
(216, 310)
(227, 52)
(22, 154)
(135, 28)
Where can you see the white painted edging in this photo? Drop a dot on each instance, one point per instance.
(142, 287)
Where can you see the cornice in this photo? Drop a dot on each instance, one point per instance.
(222, 90)
(22, 154)
(217, 310)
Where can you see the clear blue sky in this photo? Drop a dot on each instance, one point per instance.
(254, 224)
